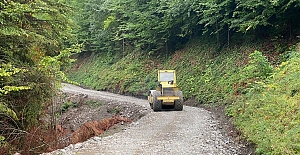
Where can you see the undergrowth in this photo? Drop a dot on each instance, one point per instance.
(268, 113)
(264, 100)
(203, 73)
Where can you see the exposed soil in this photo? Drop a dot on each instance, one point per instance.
(83, 115)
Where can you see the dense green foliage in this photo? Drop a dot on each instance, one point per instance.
(129, 40)
(149, 25)
(268, 114)
(33, 35)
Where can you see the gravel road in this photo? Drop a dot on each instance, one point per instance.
(191, 131)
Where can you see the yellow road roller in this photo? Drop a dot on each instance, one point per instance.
(166, 94)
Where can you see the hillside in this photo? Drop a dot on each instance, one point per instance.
(204, 73)
(240, 54)
(213, 77)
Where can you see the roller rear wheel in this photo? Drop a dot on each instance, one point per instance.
(178, 105)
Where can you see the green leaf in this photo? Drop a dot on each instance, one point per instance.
(4, 109)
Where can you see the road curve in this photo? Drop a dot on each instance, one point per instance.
(191, 131)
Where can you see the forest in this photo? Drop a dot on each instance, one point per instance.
(240, 53)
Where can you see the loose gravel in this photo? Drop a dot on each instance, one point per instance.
(191, 131)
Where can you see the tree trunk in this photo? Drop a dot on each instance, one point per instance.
(228, 36)
(218, 34)
(123, 47)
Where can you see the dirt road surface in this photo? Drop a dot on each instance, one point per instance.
(191, 131)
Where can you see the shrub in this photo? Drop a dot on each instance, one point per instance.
(257, 69)
(268, 114)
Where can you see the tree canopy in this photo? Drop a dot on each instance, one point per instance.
(151, 24)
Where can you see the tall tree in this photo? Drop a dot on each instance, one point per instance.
(92, 31)
(32, 49)
(252, 14)
(150, 24)
(216, 16)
